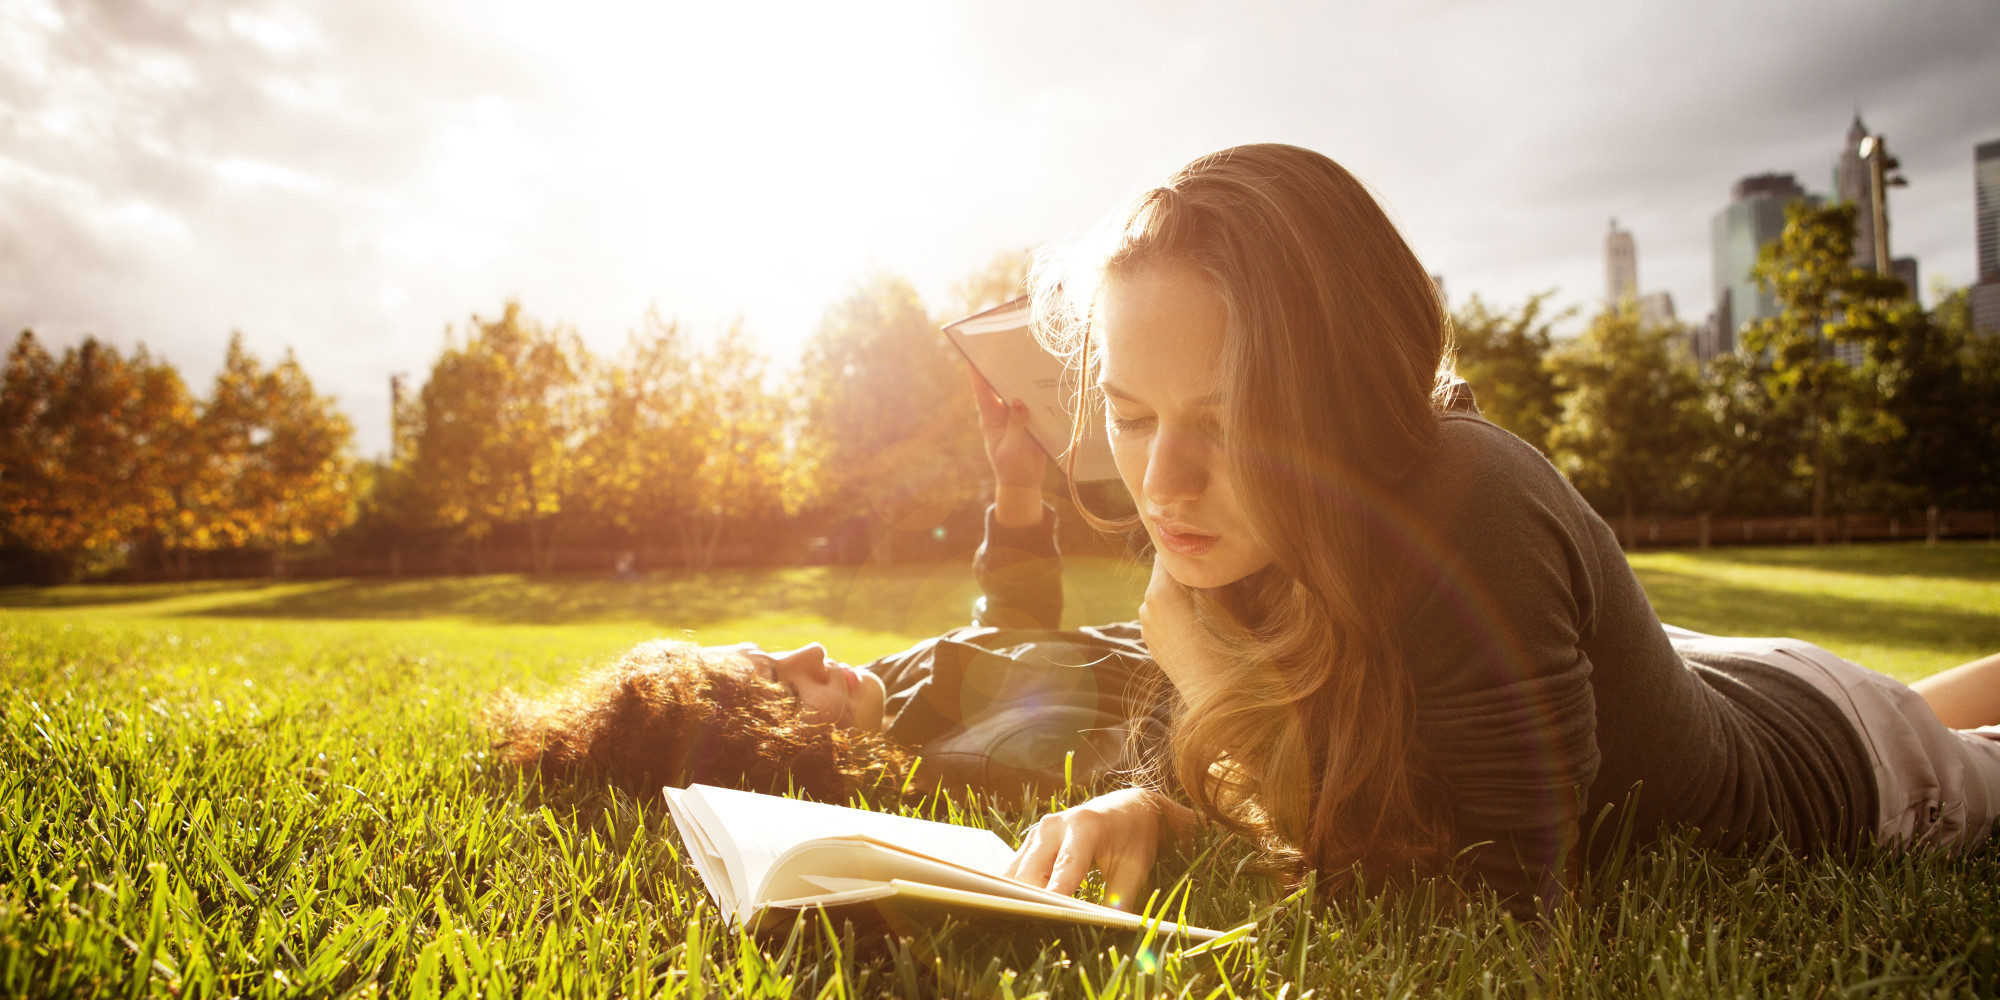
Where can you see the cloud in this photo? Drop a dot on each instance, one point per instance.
(169, 172)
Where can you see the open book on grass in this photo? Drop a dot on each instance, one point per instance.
(764, 858)
(1000, 343)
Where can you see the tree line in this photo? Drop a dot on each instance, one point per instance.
(107, 459)
(1851, 399)
(521, 439)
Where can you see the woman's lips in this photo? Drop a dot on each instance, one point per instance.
(1183, 542)
(848, 677)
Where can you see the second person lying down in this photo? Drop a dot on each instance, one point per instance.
(1008, 703)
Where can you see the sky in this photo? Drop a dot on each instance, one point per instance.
(348, 179)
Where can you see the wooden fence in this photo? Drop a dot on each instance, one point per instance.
(1703, 531)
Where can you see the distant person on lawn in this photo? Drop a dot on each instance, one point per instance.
(1398, 640)
(1007, 703)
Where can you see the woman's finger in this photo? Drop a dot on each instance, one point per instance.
(1125, 876)
(1037, 856)
(993, 411)
(1075, 859)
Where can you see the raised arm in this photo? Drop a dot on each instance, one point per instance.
(1018, 566)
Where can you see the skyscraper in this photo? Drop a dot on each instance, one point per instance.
(1657, 309)
(1986, 200)
(1851, 183)
(1621, 267)
(1754, 216)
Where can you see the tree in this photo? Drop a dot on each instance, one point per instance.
(492, 434)
(639, 462)
(277, 457)
(748, 469)
(1631, 411)
(1942, 387)
(82, 446)
(1824, 301)
(887, 410)
(1502, 355)
(1003, 279)
(691, 443)
(1742, 464)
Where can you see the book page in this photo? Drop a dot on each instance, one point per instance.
(711, 858)
(761, 828)
(1097, 915)
(846, 864)
(1001, 344)
(840, 891)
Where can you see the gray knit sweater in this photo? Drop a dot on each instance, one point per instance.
(1549, 699)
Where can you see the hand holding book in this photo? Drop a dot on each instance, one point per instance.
(999, 344)
(1018, 461)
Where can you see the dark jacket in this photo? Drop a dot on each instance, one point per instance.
(1013, 701)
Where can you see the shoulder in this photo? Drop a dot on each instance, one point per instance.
(1476, 472)
(1487, 520)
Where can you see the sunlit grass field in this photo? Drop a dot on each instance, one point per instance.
(282, 790)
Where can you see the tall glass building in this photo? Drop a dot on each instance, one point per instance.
(1621, 267)
(1755, 216)
(1852, 183)
(1986, 190)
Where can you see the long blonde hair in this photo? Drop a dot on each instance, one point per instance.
(1333, 370)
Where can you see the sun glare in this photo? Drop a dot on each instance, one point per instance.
(777, 155)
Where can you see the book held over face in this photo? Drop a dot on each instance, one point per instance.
(765, 859)
(1000, 344)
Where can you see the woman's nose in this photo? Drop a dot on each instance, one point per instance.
(1177, 469)
(809, 660)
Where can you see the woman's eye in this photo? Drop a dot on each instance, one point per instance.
(1126, 425)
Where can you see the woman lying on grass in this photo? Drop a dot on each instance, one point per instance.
(1007, 703)
(1399, 641)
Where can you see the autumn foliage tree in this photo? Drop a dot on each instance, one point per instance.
(274, 458)
(750, 468)
(103, 454)
(493, 435)
(1003, 279)
(639, 460)
(84, 443)
(688, 442)
(888, 411)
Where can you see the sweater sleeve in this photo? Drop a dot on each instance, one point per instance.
(1020, 572)
(1496, 647)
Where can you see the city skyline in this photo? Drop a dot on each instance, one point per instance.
(348, 179)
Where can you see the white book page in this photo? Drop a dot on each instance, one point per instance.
(761, 828)
(845, 865)
(1002, 346)
(710, 850)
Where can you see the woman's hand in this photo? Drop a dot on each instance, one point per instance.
(1018, 462)
(1117, 834)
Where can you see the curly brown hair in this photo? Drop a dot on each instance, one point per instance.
(666, 714)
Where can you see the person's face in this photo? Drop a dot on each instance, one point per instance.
(828, 690)
(1163, 331)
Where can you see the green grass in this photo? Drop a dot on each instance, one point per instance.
(281, 790)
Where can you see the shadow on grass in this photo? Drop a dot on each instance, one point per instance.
(121, 594)
(1976, 561)
(887, 599)
(1704, 605)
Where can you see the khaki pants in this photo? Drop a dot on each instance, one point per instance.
(1936, 786)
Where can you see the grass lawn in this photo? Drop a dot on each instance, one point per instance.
(281, 789)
